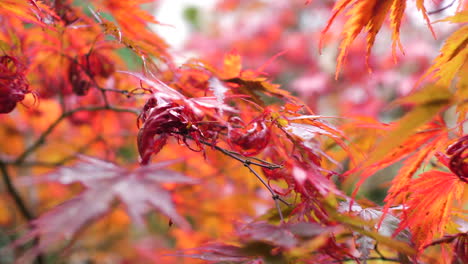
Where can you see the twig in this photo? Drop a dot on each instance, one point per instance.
(379, 253)
(60, 162)
(14, 193)
(239, 157)
(261, 163)
(441, 9)
(274, 195)
(371, 258)
(443, 240)
(41, 140)
(25, 212)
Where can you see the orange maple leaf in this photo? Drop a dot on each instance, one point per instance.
(249, 82)
(134, 23)
(28, 11)
(430, 203)
(369, 15)
(232, 66)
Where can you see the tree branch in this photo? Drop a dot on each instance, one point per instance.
(441, 9)
(61, 161)
(371, 258)
(41, 140)
(25, 212)
(19, 202)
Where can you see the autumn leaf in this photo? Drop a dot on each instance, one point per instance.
(215, 252)
(232, 66)
(139, 190)
(429, 205)
(402, 180)
(452, 58)
(13, 83)
(261, 133)
(28, 11)
(368, 15)
(385, 224)
(134, 23)
(162, 118)
(302, 129)
(253, 86)
(255, 239)
(366, 225)
(263, 231)
(249, 139)
(431, 138)
(402, 139)
(427, 103)
(248, 82)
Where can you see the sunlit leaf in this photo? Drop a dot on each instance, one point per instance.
(368, 15)
(427, 105)
(452, 58)
(432, 196)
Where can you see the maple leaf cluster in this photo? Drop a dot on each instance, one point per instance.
(250, 145)
(14, 84)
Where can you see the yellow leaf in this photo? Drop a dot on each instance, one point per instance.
(453, 54)
(430, 94)
(429, 101)
(461, 96)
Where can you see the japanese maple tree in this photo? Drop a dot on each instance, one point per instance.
(277, 134)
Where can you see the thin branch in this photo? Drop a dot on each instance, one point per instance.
(241, 158)
(124, 92)
(261, 163)
(274, 195)
(376, 249)
(41, 140)
(371, 258)
(441, 9)
(24, 211)
(443, 240)
(63, 160)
